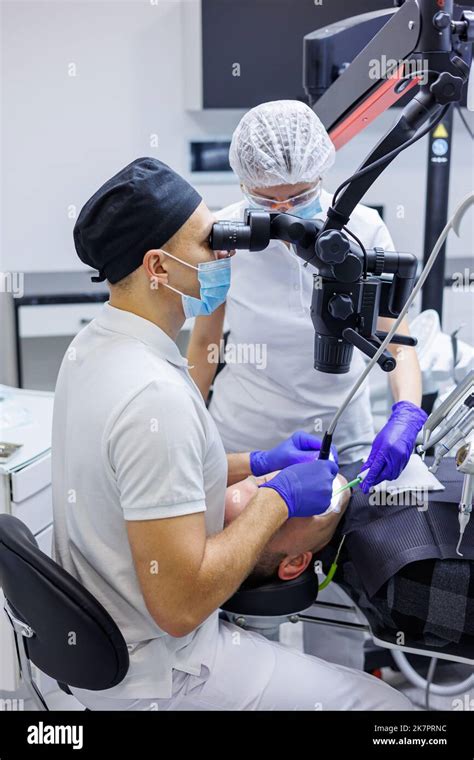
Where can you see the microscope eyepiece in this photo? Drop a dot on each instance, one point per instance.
(230, 236)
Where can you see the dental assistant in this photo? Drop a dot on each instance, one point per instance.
(281, 154)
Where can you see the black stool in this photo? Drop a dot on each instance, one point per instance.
(58, 624)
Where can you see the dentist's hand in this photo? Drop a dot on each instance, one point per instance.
(301, 447)
(306, 489)
(393, 446)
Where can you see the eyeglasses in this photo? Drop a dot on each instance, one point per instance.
(292, 202)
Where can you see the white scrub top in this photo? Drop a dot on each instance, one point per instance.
(132, 440)
(269, 387)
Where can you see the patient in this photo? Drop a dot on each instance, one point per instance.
(397, 564)
(293, 546)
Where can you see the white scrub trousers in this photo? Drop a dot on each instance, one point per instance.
(249, 672)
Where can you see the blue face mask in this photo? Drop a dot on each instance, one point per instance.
(214, 280)
(309, 210)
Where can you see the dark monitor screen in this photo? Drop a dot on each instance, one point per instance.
(253, 49)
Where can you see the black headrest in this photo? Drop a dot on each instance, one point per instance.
(276, 597)
(76, 641)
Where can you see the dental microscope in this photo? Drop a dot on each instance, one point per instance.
(450, 425)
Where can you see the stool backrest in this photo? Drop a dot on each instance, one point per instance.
(74, 640)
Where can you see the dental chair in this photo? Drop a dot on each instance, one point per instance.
(58, 625)
(264, 608)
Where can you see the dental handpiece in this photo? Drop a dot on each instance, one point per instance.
(448, 424)
(441, 413)
(465, 464)
(455, 436)
(464, 518)
(465, 509)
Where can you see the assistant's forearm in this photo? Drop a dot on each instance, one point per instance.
(230, 556)
(405, 380)
(238, 467)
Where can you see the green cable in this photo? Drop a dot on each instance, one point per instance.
(332, 569)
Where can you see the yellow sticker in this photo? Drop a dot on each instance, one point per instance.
(441, 131)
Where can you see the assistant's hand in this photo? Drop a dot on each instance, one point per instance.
(306, 489)
(301, 447)
(393, 446)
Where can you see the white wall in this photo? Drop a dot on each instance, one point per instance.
(64, 135)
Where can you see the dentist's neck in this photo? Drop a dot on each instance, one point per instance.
(164, 309)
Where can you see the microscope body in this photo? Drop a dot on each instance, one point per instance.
(352, 286)
(349, 295)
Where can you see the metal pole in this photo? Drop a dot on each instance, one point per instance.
(433, 39)
(436, 216)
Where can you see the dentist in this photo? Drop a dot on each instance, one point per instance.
(140, 473)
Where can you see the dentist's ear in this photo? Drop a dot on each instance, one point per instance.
(154, 264)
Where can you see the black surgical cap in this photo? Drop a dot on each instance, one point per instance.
(137, 210)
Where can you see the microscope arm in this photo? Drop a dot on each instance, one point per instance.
(415, 115)
(356, 97)
(426, 36)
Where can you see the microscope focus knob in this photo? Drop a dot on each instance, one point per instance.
(332, 247)
(341, 306)
(447, 88)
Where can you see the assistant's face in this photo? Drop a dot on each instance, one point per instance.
(282, 198)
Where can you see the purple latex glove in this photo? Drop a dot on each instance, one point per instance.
(306, 489)
(301, 447)
(393, 446)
